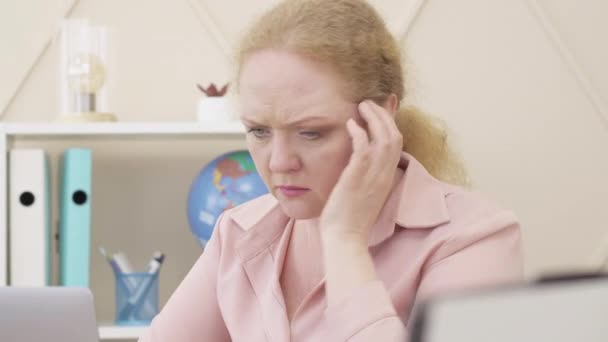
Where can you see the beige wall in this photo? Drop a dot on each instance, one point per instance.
(523, 86)
(513, 81)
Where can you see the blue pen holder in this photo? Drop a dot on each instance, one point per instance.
(136, 298)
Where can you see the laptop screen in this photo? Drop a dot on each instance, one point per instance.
(37, 314)
(562, 311)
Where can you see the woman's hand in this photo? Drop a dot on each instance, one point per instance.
(363, 187)
(356, 201)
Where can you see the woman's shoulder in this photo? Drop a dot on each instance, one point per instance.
(431, 203)
(464, 202)
(472, 213)
(480, 229)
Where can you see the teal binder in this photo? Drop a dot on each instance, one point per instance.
(75, 217)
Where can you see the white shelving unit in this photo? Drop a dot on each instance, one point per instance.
(12, 132)
(116, 129)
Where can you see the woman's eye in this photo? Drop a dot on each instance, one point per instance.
(259, 132)
(310, 135)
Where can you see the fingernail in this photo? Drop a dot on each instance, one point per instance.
(364, 105)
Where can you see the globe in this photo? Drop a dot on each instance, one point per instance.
(227, 181)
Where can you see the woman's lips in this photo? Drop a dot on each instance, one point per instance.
(292, 191)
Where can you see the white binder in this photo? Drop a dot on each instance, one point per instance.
(29, 218)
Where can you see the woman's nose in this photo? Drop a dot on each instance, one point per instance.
(283, 158)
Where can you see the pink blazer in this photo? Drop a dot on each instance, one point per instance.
(431, 238)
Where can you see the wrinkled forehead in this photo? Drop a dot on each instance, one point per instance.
(284, 69)
(282, 87)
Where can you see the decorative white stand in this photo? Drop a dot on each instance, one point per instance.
(216, 110)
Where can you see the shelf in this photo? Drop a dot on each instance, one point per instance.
(126, 129)
(117, 332)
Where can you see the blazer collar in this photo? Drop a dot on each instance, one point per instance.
(417, 202)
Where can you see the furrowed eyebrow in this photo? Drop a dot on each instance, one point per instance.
(296, 122)
(306, 120)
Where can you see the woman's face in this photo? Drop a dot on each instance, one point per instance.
(295, 117)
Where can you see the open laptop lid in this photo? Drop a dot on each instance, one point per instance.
(561, 310)
(37, 314)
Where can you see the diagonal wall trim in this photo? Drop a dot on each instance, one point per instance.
(412, 12)
(599, 258)
(568, 57)
(65, 12)
(210, 24)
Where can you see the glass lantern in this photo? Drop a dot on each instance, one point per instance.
(86, 72)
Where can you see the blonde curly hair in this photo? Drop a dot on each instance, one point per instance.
(352, 38)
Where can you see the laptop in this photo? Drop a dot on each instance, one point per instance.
(47, 314)
(562, 309)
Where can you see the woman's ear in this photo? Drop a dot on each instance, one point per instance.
(391, 104)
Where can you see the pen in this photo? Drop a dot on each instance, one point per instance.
(123, 262)
(113, 264)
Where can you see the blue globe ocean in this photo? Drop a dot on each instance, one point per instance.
(227, 181)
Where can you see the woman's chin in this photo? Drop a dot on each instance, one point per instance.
(301, 210)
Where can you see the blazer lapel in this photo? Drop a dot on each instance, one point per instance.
(261, 255)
